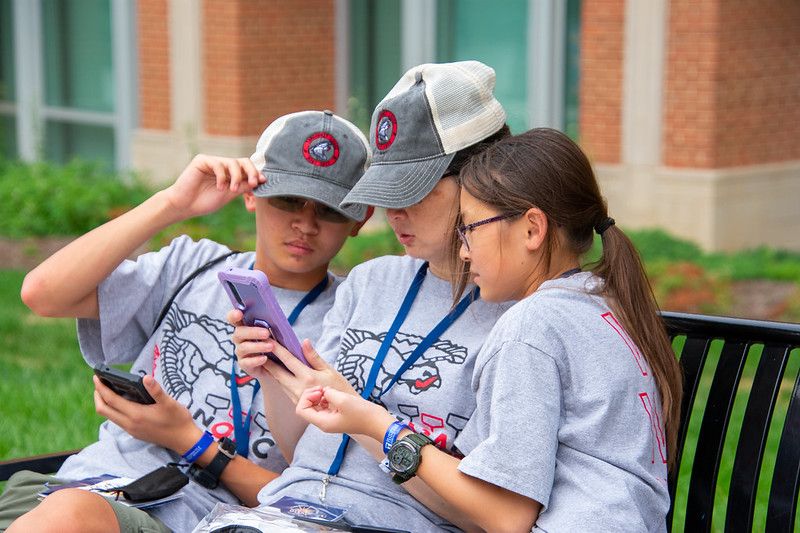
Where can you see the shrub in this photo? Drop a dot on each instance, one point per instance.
(43, 199)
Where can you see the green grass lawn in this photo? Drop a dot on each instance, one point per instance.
(46, 387)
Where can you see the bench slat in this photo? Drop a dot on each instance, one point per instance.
(753, 436)
(786, 479)
(711, 439)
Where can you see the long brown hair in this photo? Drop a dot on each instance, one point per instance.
(460, 269)
(544, 168)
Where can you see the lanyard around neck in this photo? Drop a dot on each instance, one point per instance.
(241, 427)
(426, 343)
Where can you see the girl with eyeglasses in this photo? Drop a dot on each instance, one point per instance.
(577, 388)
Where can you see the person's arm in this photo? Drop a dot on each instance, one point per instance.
(499, 509)
(169, 424)
(281, 387)
(65, 284)
(420, 490)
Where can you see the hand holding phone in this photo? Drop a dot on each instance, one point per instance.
(127, 385)
(249, 291)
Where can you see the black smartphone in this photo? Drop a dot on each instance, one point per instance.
(127, 385)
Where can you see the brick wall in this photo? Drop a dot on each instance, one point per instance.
(733, 72)
(758, 92)
(153, 43)
(603, 25)
(263, 59)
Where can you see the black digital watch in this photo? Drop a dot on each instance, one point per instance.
(404, 456)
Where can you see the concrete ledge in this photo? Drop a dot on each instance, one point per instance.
(719, 209)
(161, 155)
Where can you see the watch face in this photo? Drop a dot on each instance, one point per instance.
(403, 458)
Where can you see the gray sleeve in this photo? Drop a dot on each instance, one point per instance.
(131, 298)
(511, 440)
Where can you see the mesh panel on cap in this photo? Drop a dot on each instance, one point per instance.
(463, 105)
(265, 141)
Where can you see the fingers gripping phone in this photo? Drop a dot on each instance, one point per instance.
(249, 292)
(127, 385)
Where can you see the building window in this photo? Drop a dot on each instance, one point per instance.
(78, 79)
(533, 46)
(67, 79)
(8, 123)
(572, 68)
(494, 33)
(374, 56)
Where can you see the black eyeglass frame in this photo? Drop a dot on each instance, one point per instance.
(293, 204)
(462, 230)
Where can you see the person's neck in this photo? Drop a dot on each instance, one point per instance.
(440, 271)
(295, 281)
(562, 265)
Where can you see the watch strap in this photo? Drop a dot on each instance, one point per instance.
(208, 477)
(419, 439)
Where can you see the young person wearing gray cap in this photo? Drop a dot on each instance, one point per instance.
(143, 312)
(394, 335)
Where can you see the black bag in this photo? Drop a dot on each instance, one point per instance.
(159, 483)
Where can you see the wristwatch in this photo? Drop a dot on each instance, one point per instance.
(208, 477)
(404, 456)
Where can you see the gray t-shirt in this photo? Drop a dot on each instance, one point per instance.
(190, 354)
(568, 414)
(434, 395)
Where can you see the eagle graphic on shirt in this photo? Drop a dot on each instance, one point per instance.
(195, 363)
(359, 348)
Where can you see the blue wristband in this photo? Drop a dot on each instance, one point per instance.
(391, 434)
(199, 447)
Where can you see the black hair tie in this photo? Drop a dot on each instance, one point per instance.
(604, 225)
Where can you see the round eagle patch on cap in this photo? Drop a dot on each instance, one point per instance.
(386, 130)
(321, 149)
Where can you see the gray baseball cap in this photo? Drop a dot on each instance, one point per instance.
(435, 110)
(315, 155)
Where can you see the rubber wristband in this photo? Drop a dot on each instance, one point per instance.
(392, 433)
(199, 447)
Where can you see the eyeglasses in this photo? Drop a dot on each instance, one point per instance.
(293, 204)
(462, 230)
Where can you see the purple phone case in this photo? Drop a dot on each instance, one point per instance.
(249, 291)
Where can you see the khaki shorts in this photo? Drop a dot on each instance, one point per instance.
(21, 495)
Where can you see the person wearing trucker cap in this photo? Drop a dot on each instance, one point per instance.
(144, 312)
(394, 335)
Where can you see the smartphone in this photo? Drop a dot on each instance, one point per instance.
(127, 385)
(249, 292)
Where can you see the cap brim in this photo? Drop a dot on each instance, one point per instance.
(397, 185)
(330, 194)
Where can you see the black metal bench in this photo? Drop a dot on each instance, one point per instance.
(44, 464)
(740, 417)
(741, 412)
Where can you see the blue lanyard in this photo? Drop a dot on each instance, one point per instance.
(429, 339)
(241, 427)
